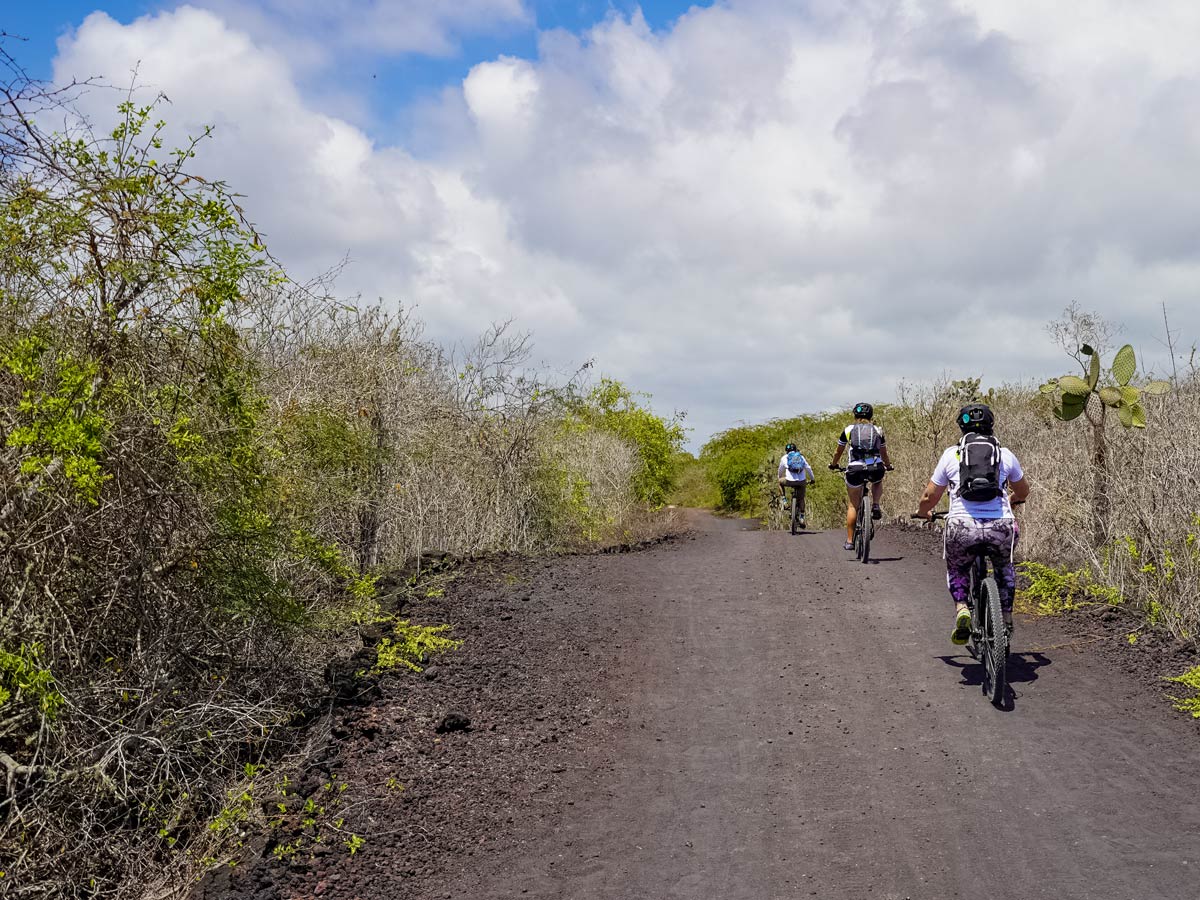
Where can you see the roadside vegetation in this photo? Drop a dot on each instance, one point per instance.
(205, 468)
(1110, 452)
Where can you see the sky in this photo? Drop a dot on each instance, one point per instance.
(747, 208)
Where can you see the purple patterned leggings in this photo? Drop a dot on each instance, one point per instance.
(964, 539)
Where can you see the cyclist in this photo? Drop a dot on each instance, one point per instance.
(981, 475)
(797, 474)
(868, 461)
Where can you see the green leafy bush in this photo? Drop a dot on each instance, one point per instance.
(742, 465)
(612, 407)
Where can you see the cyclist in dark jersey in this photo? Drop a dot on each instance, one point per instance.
(869, 461)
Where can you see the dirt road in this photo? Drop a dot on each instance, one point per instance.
(747, 714)
(802, 726)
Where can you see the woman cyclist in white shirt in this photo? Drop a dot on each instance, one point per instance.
(972, 524)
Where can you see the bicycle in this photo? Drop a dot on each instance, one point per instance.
(989, 635)
(792, 506)
(864, 524)
(797, 515)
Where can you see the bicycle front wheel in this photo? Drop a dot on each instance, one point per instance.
(993, 643)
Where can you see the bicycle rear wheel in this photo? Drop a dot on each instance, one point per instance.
(865, 523)
(795, 513)
(776, 517)
(993, 642)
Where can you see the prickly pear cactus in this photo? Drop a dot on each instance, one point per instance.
(1073, 393)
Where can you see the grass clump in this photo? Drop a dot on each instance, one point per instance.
(1054, 590)
(1189, 679)
(412, 645)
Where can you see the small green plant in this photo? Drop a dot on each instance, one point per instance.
(236, 811)
(412, 645)
(24, 680)
(286, 851)
(1189, 679)
(355, 844)
(1054, 590)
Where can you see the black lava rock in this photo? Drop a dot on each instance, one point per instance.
(453, 721)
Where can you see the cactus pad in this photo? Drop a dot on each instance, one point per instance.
(1073, 385)
(1124, 365)
(1072, 407)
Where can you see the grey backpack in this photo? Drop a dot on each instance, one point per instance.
(864, 441)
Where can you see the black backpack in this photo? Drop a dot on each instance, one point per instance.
(864, 441)
(979, 468)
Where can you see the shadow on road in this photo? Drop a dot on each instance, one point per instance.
(879, 559)
(1022, 669)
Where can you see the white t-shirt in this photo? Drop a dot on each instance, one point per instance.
(786, 474)
(946, 475)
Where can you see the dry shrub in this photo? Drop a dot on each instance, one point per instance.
(203, 468)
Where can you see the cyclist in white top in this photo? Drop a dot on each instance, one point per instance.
(797, 474)
(980, 475)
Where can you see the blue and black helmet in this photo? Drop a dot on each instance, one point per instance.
(976, 417)
(864, 411)
(790, 448)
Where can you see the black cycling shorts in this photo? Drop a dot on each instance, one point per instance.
(858, 474)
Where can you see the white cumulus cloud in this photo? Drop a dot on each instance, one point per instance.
(765, 208)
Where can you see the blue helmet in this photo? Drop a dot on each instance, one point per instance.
(864, 411)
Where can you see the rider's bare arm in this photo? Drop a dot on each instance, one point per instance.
(1020, 490)
(929, 499)
(883, 454)
(837, 456)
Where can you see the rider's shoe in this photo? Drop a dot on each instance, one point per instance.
(849, 545)
(962, 627)
(876, 512)
(800, 522)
